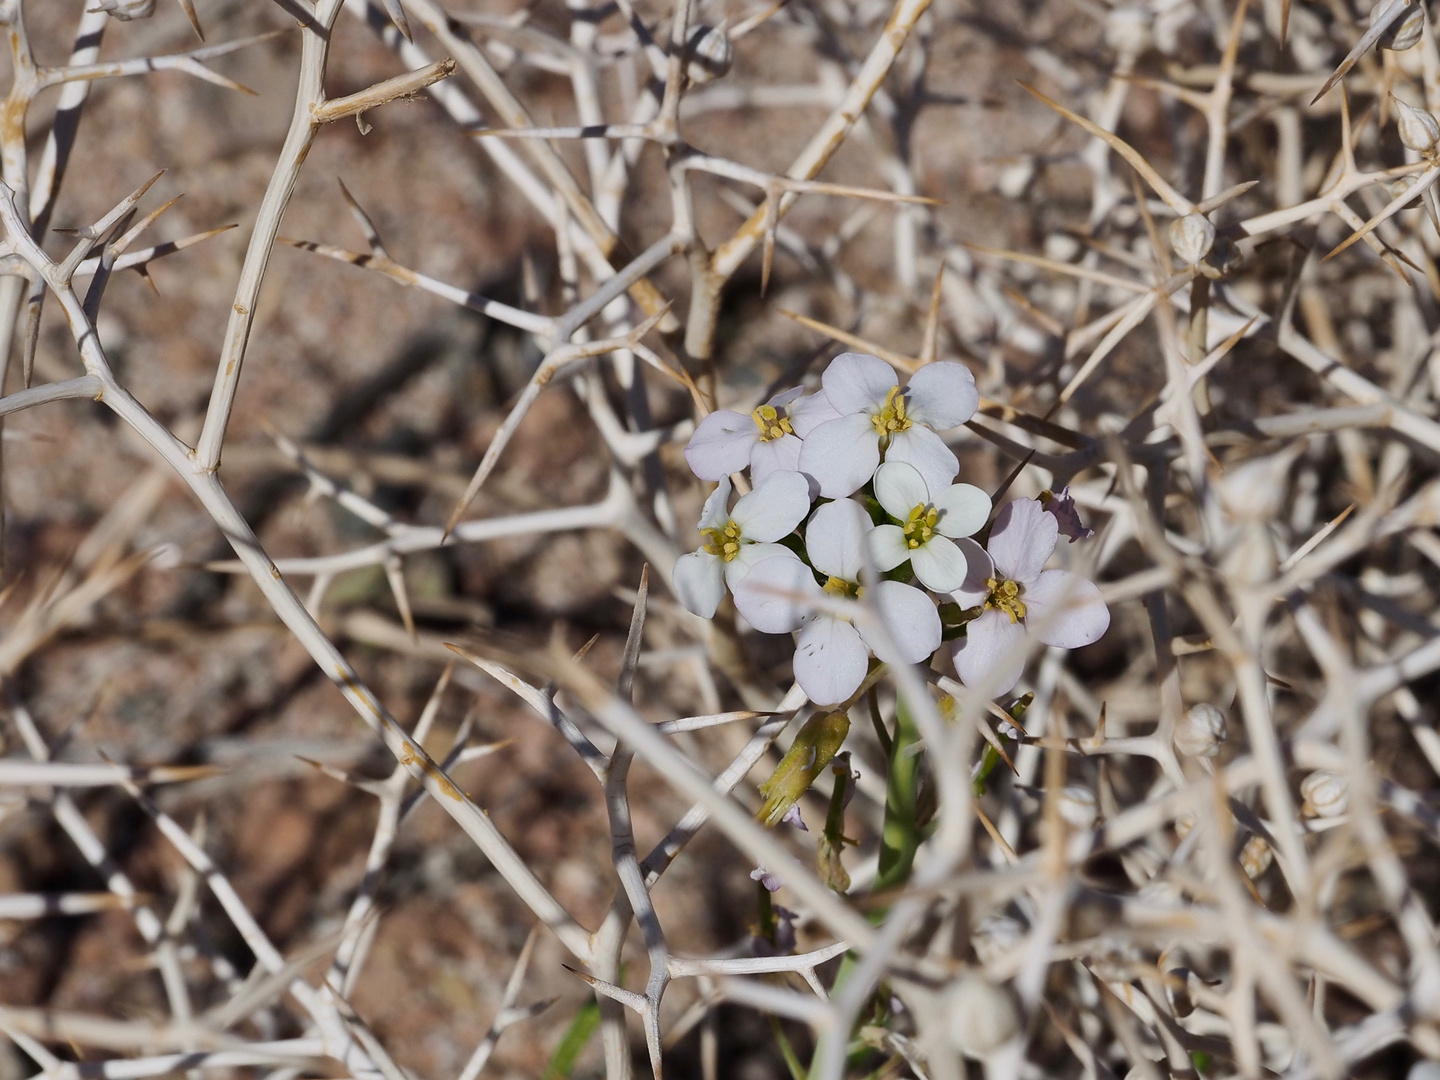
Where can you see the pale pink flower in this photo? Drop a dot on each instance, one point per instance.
(877, 417)
(1021, 599)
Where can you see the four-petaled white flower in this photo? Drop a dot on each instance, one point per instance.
(728, 441)
(932, 524)
(738, 540)
(831, 654)
(1020, 598)
(877, 416)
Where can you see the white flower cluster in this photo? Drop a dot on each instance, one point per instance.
(890, 523)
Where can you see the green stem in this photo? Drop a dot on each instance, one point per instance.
(900, 836)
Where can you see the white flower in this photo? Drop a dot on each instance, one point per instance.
(931, 524)
(876, 416)
(832, 654)
(728, 441)
(1020, 597)
(736, 541)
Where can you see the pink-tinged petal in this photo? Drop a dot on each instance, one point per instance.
(964, 509)
(784, 397)
(1065, 610)
(700, 583)
(1023, 540)
(774, 508)
(857, 382)
(752, 555)
(841, 455)
(721, 444)
(830, 660)
(991, 655)
(900, 488)
(777, 455)
(835, 539)
(979, 569)
(939, 564)
(713, 514)
(808, 413)
(911, 624)
(942, 395)
(775, 596)
(888, 547)
(922, 448)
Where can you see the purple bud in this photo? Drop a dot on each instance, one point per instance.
(792, 817)
(1062, 505)
(769, 880)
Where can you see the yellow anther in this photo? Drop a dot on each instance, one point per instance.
(1005, 596)
(920, 525)
(840, 587)
(772, 422)
(723, 542)
(891, 418)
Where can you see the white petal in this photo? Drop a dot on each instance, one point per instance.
(700, 582)
(712, 514)
(810, 412)
(939, 564)
(978, 569)
(830, 660)
(922, 448)
(773, 595)
(752, 555)
(835, 539)
(1023, 540)
(900, 488)
(777, 455)
(912, 625)
(1065, 610)
(841, 455)
(992, 653)
(784, 397)
(888, 547)
(963, 508)
(857, 382)
(721, 444)
(774, 508)
(942, 394)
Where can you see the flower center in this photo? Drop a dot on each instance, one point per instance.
(1005, 596)
(920, 525)
(724, 541)
(840, 587)
(772, 422)
(891, 418)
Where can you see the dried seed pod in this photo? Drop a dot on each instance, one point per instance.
(1191, 238)
(980, 1016)
(1405, 31)
(1077, 806)
(995, 935)
(709, 54)
(1200, 731)
(1418, 129)
(1326, 794)
(1256, 857)
(1403, 184)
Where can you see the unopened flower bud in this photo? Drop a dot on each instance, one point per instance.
(1256, 857)
(1326, 794)
(1191, 238)
(980, 1016)
(1200, 731)
(709, 54)
(1419, 130)
(995, 935)
(1077, 806)
(1405, 30)
(807, 757)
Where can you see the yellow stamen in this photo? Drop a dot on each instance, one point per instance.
(1005, 596)
(840, 587)
(772, 422)
(920, 525)
(891, 418)
(724, 541)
